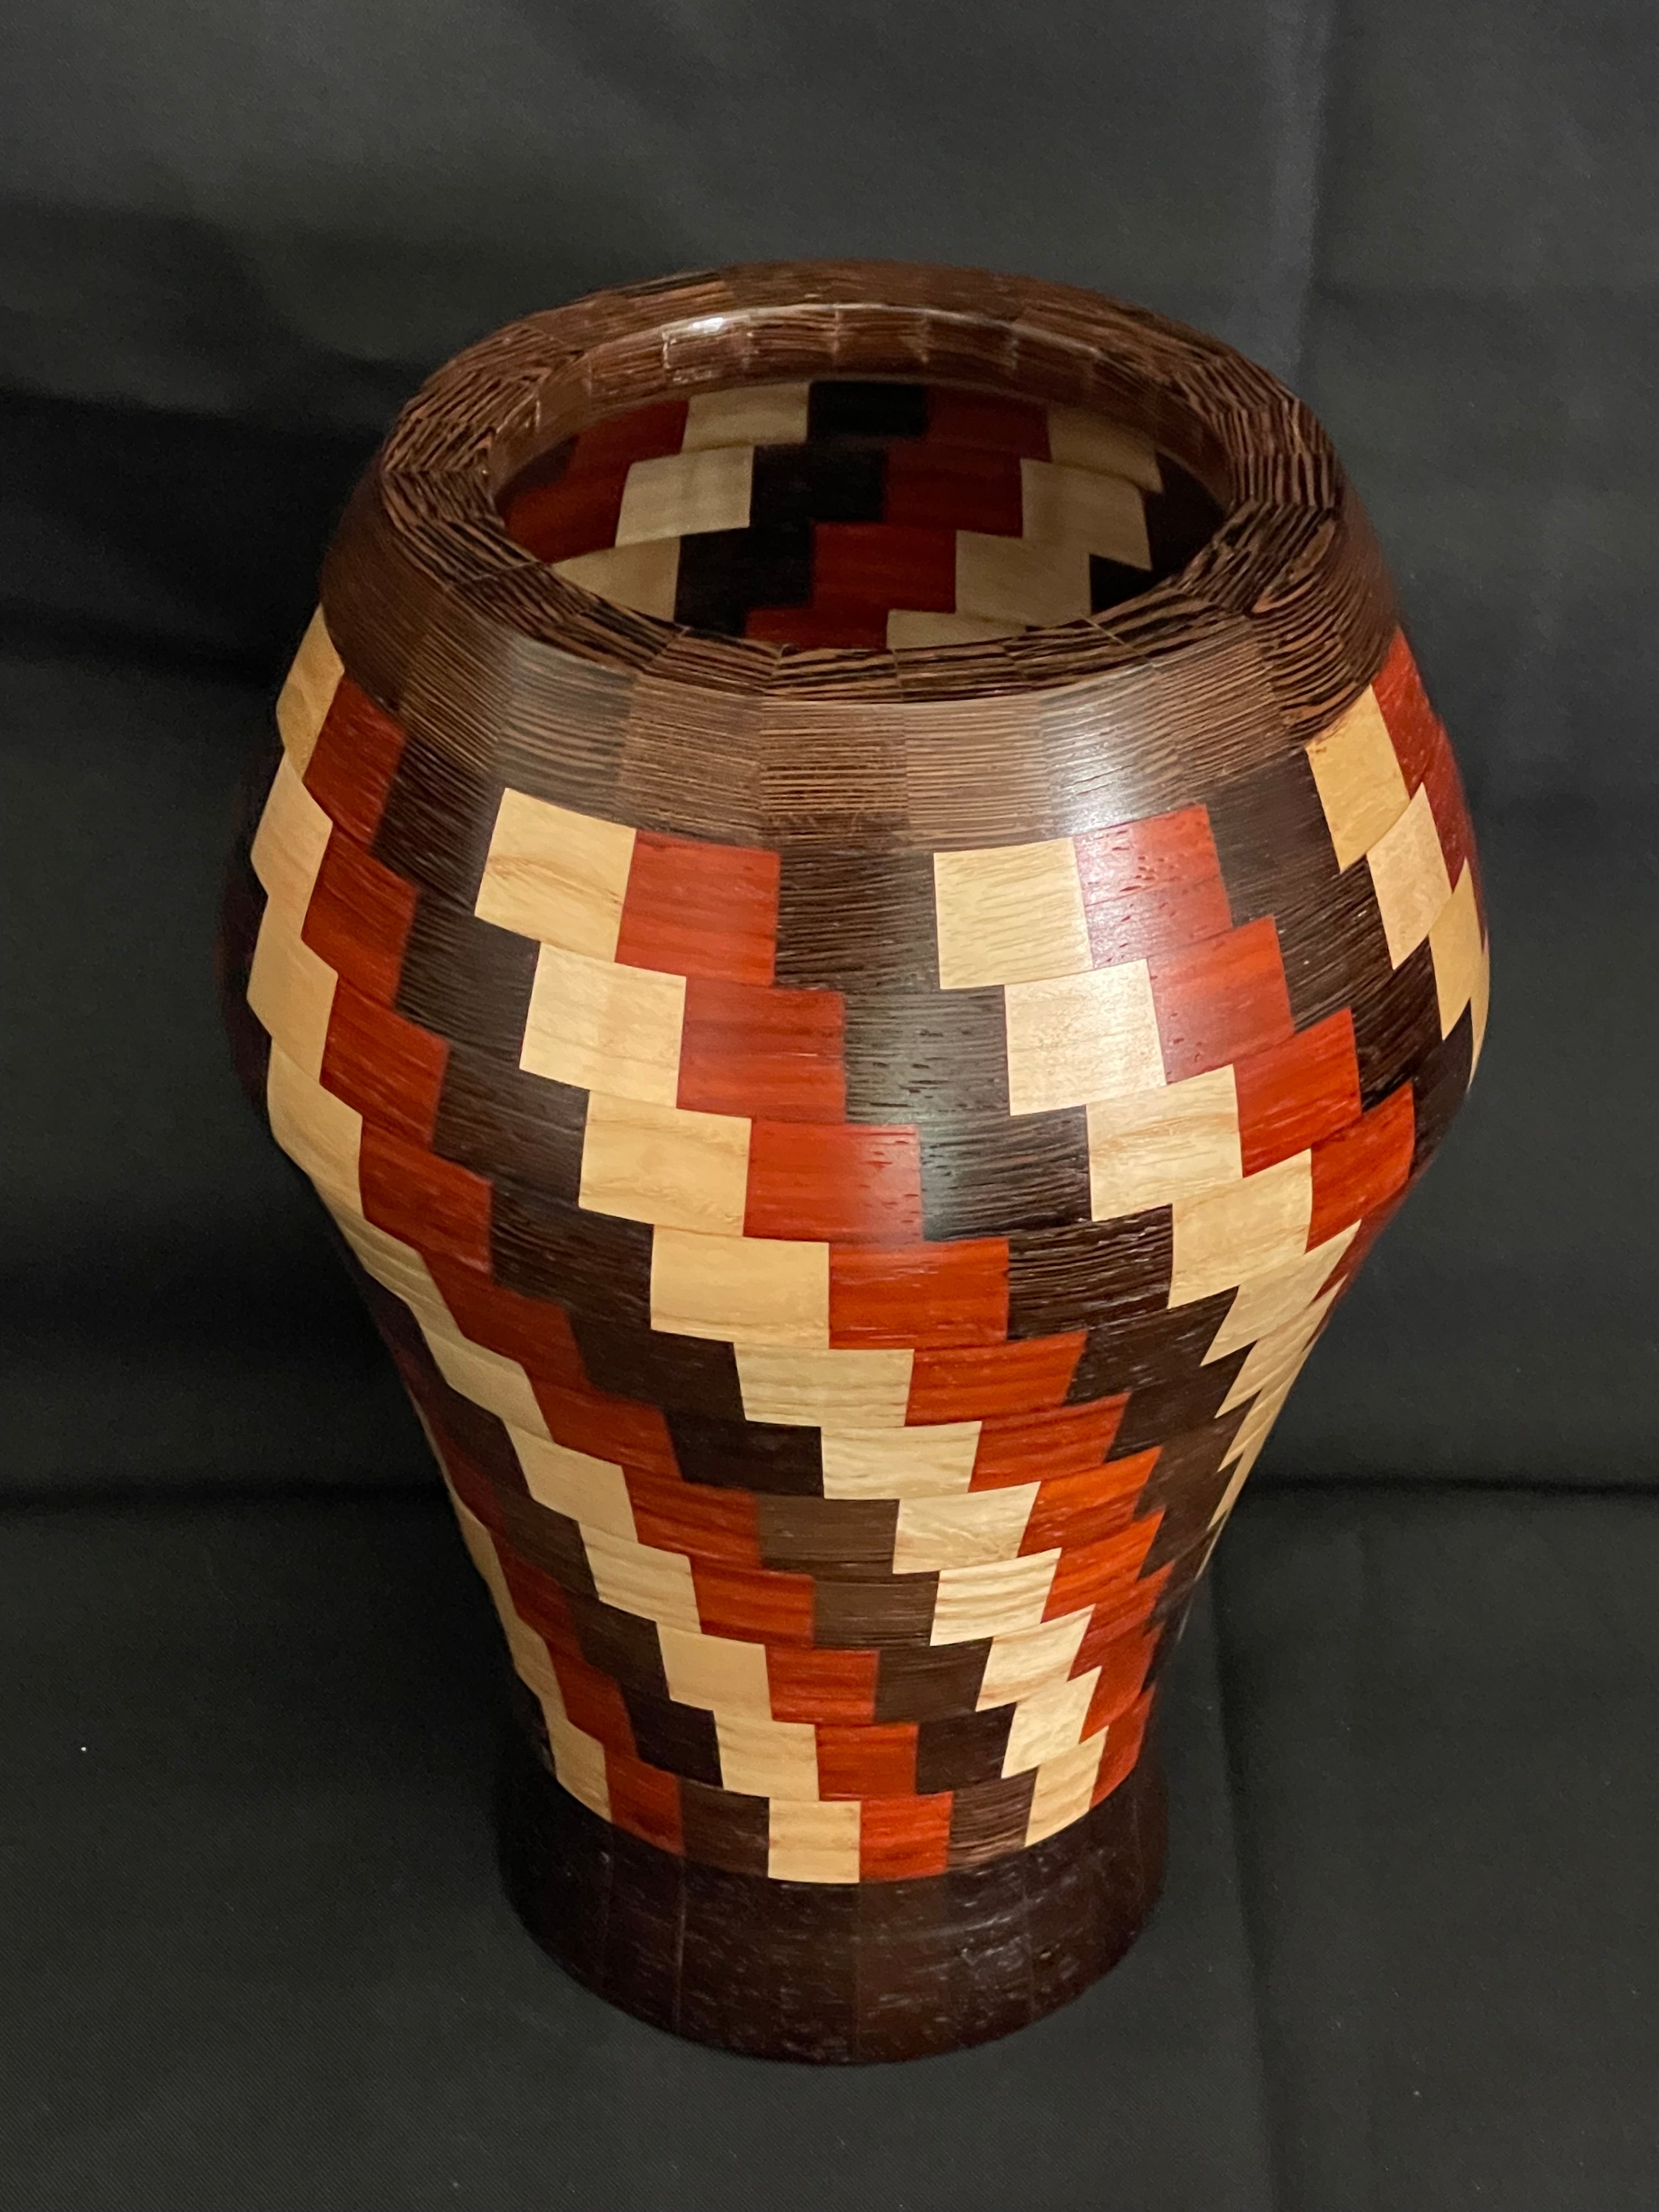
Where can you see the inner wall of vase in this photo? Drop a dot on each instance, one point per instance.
(860, 513)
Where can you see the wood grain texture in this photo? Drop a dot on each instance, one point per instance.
(860, 915)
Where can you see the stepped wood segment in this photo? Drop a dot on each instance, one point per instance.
(860, 918)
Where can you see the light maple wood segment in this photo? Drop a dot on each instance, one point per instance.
(1359, 776)
(1010, 913)
(604, 1027)
(1153, 1146)
(764, 1758)
(1266, 1301)
(1247, 1444)
(1248, 1447)
(529, 1653)
(579, 1762)
(1065, 1787)
(639, 1578)
(1075, 1038)
(645, 577)
(1408, 874)
(1104, 514)
(930, 1462)
(1021, 580)
(1275, 1356)
(534, 1665)
(1455, 947)
(555, 875)
(814, 1843)
(1271, 1392)
(751, 415)
(318, 1132)
(481, 1549)
(829, 1390)
(1080, 440)
(291, 989)
(664, 1164)
(740, 1290)
(290, 843)
(911, 627)
(1023, 1659)
(308, 693)
(1256, 1227)
(720, 1673)
(488, 1378)
(993, 1599)
(594, 1492)
(1240, 1476)
(961, 1532)
(679, 495)
(1048, 1722)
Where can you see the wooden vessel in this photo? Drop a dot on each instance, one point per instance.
(860, 918)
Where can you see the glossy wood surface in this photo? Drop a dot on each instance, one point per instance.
(859, 916)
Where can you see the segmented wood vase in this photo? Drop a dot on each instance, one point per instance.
(858, 919)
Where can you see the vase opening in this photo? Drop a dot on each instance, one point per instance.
(893, 508)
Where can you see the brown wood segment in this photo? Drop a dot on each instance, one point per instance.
(689, 1374)
(1185, 1485)
(766, 1456)
(1160, 1410)
(852, 1071)
(465, 979)
(964, 1749)
(1141, 1351)
(503, 1123)
(677, 1739)
(925, 1682)
(1397, 1025)
(849, 920)
(435, 827)
(547, 1247)
(988, 1821)
(914, 1057)
(846, 1537)
(1333, 948)
(1438, 1083)
(871, 1615)
(980, 1176)
(1091, 1273)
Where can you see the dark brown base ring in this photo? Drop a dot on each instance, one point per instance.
(830, 1972)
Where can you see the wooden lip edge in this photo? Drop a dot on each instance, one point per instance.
(482, 415)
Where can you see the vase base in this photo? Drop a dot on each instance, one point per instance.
(830, 1973)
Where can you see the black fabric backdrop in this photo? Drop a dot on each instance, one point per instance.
(1409, 1955)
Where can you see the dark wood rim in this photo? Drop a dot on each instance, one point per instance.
(423, 546)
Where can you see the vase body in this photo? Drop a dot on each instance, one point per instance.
(858, 917)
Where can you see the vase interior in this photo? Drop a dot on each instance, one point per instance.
(866, 513)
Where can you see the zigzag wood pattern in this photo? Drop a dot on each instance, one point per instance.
(842, 513)
(848, 1273)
